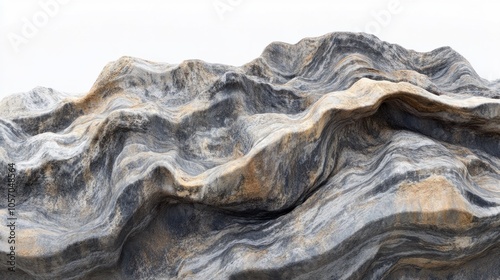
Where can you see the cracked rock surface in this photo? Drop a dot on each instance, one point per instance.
(339, 157)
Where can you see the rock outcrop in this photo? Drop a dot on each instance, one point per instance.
(339, 157)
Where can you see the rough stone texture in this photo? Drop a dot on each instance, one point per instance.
(339, 157)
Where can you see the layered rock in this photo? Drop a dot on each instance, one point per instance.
(339, 157)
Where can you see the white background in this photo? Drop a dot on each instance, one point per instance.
(71, 42)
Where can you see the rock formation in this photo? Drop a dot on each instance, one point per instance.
(339, 157)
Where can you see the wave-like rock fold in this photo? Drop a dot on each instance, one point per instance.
(339, 157)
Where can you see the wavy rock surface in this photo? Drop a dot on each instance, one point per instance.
(339, 157)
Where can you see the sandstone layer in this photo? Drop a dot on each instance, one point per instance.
(339, 157)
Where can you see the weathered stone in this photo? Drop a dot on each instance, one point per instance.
(339, 157)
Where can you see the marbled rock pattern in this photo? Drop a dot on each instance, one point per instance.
(339, 157)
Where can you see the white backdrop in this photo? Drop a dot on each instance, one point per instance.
(64, 44)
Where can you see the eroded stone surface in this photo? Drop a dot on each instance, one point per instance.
(339, 157)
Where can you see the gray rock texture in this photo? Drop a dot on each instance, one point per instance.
(339, 157)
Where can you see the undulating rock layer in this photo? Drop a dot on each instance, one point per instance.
(339, 157)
